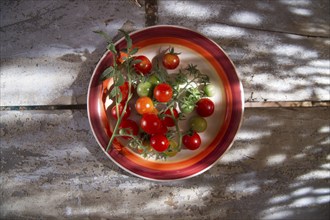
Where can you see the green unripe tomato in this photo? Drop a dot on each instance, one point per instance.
(153, 80)
(144, 89)
(186, 109)
(209, 90)
(198, 124)
(172, 150)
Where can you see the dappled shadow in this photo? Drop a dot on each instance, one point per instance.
(280, 48)
(278, 167)
(53, 44)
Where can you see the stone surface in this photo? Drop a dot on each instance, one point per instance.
(48, 52)
(51, 167)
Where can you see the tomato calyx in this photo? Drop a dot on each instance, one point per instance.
(171, 59)
(171, 51)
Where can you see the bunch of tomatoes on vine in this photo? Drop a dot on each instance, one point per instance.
(160, 99)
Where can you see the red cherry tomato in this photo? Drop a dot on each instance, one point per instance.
(162, 130)
(143, 67)
(163, 92)
(205, 107)
(144, 105)
(168, 120)
(159, 142)
(130, 127)
(171, 61)
(192, 142)
(150, 123)
(124, 91)
(120, 108)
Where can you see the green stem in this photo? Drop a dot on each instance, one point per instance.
(176, 121)
(179, 135)
(176, 98)
(120, 117)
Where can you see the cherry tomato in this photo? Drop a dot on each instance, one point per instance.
(143, 67)
(209, 90)
(198, 124)
(120, 108)
(171, 60)
(124, 91)
(168, 120)
(159, 142)
(205, 107)
(144, 105)
(150, 123)
(144, 89)
(162, 130)
(186, 108)
(163, 92)
(191, 142)
(128, 127)
(172, 149)
(153, 79)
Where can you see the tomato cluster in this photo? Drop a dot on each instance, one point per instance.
(156, 122)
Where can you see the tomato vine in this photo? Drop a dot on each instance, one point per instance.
(187, 85)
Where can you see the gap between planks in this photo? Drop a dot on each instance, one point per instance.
(268, 104)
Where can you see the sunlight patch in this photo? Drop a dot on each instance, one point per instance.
(279, 199)
(323, 199)
(302, 191)
(236, 154)
(294, 50)
(245, 185)
(190, 9)
(321, 63)
(276, 159)
(218, 30)
(246, 18)
(276, 212)
(324, 129)
(316, 174)
(299, 156)
(303, 202)
(309, 70)
(301, 11)
(321, 191)
(325, 166)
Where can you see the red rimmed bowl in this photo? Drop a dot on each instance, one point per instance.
(222, 125)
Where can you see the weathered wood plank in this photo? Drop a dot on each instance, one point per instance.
(268, 41)
(300, 17)
(48, 53)
(51, 167)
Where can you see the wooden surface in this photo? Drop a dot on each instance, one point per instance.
(52, 167)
